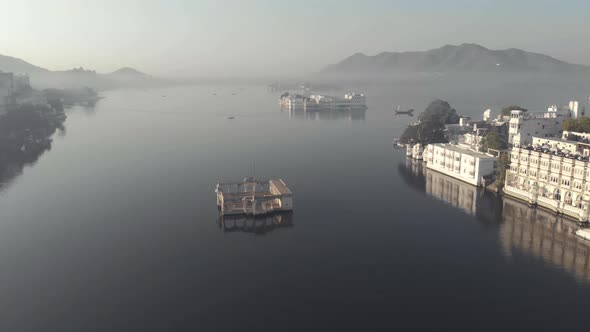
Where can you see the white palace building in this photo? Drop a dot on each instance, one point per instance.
(461, 163)
(523, 125)
(553, 173)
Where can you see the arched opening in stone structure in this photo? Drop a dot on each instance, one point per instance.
(525, 185)
(557, 195)
(568, 198)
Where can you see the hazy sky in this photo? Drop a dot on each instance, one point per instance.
(240, 37)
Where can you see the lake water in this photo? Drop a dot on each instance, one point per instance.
(115, 228)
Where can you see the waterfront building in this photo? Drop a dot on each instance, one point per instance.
(322, 102)
(253, 197)
(551, 175)
(459, 162)
(350, 100)
(292, 102)
(415, 151)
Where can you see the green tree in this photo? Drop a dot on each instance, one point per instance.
(570, 125)
(431, 125)
(492, 141)
(584, 124)
(424, 133)
(439, 111)
(581, 125)
(503, 163)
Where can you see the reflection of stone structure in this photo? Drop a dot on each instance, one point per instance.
(452, 191)
(545, 235)
(459, 194)
(347, 115)
(260, 225)
(535, 232)
(472, 200)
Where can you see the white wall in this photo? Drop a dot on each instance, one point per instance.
(464, 166)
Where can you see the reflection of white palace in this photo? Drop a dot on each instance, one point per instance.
(545, 235)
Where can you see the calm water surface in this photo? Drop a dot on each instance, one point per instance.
(115, 228)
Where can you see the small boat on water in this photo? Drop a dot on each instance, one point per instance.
(397, 144)
(409, 112)
(231, 117)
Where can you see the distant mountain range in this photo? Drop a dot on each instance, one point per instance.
(19, 66)
(78, 77)
(454, 58)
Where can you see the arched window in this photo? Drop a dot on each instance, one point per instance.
(568, 198)
(578, 201)
(546, 193)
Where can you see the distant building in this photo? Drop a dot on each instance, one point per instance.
(487, 115)
(454, 131)
(576, 136)
(576, 111)
(472, 139)
(459, 162)
(561, 145)
(21, 83)
(6, 91)
(525, 125)
(323, 102)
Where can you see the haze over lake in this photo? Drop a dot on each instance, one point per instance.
(116, 228)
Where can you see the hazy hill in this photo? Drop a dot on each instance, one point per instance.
(19, 66)
(42, 78)
(453, 58)
(128, 72)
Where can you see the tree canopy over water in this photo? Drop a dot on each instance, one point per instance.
(431, 125)
(439, 111)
